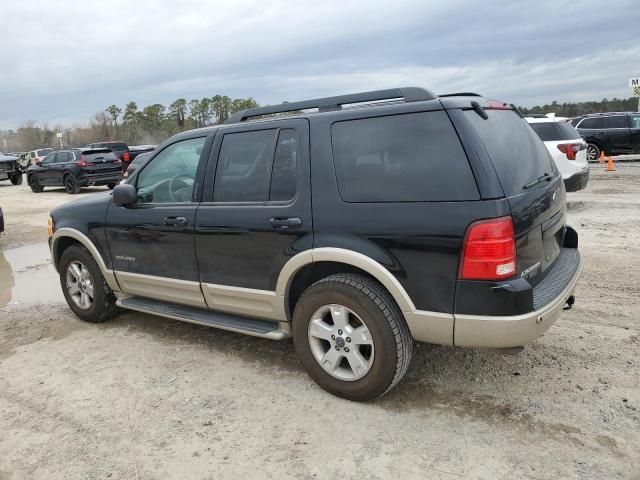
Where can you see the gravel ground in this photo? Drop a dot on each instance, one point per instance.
(146, 397)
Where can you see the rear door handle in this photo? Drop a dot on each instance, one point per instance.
(176, 221)
(285, 223)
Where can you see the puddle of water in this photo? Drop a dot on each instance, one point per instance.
(27, 276)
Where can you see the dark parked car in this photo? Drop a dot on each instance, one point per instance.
(10, 169)
(137, 162)
(135, 150)
(76, 168)
(120, 149)
(356, 231)
(614, 133)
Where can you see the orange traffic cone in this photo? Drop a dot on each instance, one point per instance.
(611, 167)
(601, 158)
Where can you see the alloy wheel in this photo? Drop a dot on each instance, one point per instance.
(80, 285)
(341, 342)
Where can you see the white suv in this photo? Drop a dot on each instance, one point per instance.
(567, 148)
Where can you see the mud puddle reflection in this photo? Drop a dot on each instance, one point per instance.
(27, 276)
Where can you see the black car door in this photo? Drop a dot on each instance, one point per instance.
(255, 213)
(44, 170)
(618, 133)
(58, 167)
(152, 242)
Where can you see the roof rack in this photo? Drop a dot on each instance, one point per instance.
(409, 94)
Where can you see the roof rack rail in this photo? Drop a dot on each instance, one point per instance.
(409, 94)
(461, 94)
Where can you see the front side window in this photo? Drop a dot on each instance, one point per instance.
(49, 159)
(635, 121)
(170, 176)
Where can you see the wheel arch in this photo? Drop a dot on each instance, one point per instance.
(310, 266)
(63, 238)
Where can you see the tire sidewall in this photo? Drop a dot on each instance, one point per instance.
(383, 370)
(33, 182)
(77, 253)
(597, 154)
(71, 178)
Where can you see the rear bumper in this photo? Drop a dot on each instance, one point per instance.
(577, 181)
(100, 179)
(517, 330)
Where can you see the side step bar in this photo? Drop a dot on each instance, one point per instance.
(225, 321)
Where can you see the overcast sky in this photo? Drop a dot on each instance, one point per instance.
(62, 61)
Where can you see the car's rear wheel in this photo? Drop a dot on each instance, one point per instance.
(351, 337)
(593, 152)
(84, 287)
(71, 184)
(16, 178)
(33, 182)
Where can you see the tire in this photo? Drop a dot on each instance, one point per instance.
(593, 152)
(111, 186)
(71, 184)
(368, 303)
(32, 180)
(16, 179)
(103, 302)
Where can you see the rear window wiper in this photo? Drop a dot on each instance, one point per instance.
(542, 178)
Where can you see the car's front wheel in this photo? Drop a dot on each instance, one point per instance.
(593, 152)
(33, 182)
(351, 337)
(16, 178)
(71, 184)
(84, 287)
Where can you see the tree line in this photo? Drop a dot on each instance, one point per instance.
(149, 125)
(575, 109)
(154, 123)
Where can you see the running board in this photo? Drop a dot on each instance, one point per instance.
(210, 318)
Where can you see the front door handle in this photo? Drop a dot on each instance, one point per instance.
(285, 223)
(176, 221)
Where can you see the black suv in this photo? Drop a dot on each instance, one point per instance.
(10, 169)
(120, 149)
(74, 169)
(615, 133)
(355, 224)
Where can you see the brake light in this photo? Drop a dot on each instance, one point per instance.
(489, 250)
(125, 157)
(570, 149)
(83, 162)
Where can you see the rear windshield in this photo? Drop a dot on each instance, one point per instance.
(554, 131)
(518, 155)
(100, 155)
(415, 157)
(118, 147)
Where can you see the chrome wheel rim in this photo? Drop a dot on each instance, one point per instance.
(591, 153)
(80, 285)
(69, 184)
(341, 342)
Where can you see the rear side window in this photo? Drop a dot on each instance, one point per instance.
(635, 121)
(415, 157)
(257, 166)
(593, 123)
(554, 131)
(619, 121)
(517, 153)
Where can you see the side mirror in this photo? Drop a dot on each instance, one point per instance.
(124, 195)
(130, 170)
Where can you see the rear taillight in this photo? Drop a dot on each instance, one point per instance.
(570, 149)
(125, 157)
(83, 162)
(489, 250)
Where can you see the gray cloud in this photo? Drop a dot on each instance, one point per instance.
(62, 62)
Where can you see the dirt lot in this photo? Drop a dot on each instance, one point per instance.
(149, 398)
